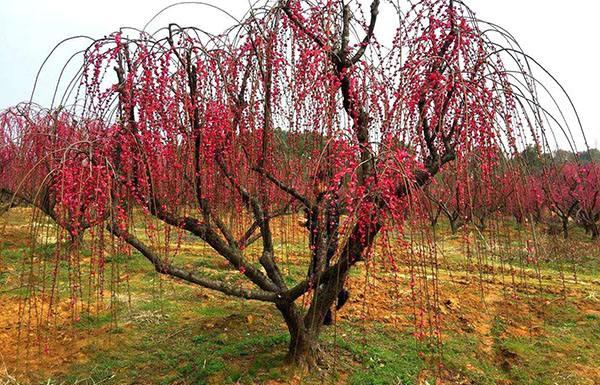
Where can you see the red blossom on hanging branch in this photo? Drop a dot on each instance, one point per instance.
(286, 113)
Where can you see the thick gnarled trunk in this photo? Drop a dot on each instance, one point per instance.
(305, 327)
(304, 346)
(303, 350)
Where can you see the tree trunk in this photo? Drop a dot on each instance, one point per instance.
(303, 349)
(595, 231)
(304, 344)
(304, 329)
(538, 216)
(454, 226)
(480, 223)
(434, 222)
(565, 228)
(519, 218)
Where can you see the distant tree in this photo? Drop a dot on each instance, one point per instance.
(426, 200)
(449, 194)
(588, 197)
(531, 158)
(534, 200)
(563, 156)
(490, 194)
(593, 155)
(560, 185)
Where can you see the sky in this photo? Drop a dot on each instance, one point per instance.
(564, 38)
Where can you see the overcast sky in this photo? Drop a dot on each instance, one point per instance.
(564, 38)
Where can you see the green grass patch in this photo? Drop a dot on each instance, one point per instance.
(384, 356)
(93, 321)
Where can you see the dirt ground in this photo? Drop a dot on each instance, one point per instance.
(500, 314)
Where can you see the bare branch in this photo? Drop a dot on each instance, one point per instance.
(365, 42)
(288, 189)
(177, 272)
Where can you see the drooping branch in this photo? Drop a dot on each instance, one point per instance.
(250, 236)
(369, 35)
(170, 269)
(284, 187)
(208, 234)
(285, 6)
(261, 218)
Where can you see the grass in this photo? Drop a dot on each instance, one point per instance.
(157, 353)
(166, 332)
(463, 357)
(384, 356)
(92, 321)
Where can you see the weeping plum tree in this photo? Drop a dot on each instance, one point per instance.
(561, 185)
(489, 196)
(528, 200)
(470, 194)
(182, 126)
(32, 144)
(588, 198)
(449, 195)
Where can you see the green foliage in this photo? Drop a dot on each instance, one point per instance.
(93, 321)
(385, 356)
(534, 162)
(298, 144)
(593, 155)
(463, 357)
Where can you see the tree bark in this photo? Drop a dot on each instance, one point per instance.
(453, 226)
(565, 228)
(305, 328)
(303, 349)
(304, 346)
